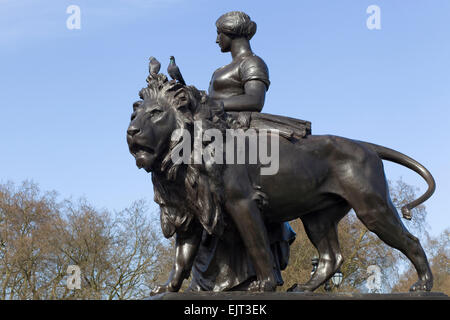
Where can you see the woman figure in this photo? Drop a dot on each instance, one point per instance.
(223, 264)
(242, 84)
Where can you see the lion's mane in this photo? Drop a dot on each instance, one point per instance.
(187, 191)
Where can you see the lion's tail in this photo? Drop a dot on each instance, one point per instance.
(402, 159)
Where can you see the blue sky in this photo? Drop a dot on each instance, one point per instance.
(66, 95)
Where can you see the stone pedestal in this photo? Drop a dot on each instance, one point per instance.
(243, 295)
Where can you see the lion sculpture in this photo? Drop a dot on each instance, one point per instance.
(320, 178)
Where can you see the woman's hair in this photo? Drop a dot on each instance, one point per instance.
(236, 23)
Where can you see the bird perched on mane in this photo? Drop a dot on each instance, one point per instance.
(153, 66)
(174, 71)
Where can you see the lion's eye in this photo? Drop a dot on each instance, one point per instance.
(133, 116)
(154, 112)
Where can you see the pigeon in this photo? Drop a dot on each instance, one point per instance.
(153, 66)
(174, 71)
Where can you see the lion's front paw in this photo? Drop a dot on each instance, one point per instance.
(422, 285)
(162, 289)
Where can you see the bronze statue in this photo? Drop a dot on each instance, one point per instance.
(320, 179)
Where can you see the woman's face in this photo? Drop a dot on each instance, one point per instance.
(224, 41)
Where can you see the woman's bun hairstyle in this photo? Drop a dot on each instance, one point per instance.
(251, 30)
(236, 23)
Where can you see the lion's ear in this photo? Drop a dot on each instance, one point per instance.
(181, 99)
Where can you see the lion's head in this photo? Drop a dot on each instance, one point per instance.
(161, 111)
(182, 190)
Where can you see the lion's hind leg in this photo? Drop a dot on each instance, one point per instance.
(321, 228)
(380, 216)
(369, 197)
(364, 186)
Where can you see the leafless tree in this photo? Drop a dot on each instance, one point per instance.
(121, 255)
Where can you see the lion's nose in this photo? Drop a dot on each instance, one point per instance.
(133, 130)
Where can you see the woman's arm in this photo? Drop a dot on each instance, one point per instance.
(251, 100)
